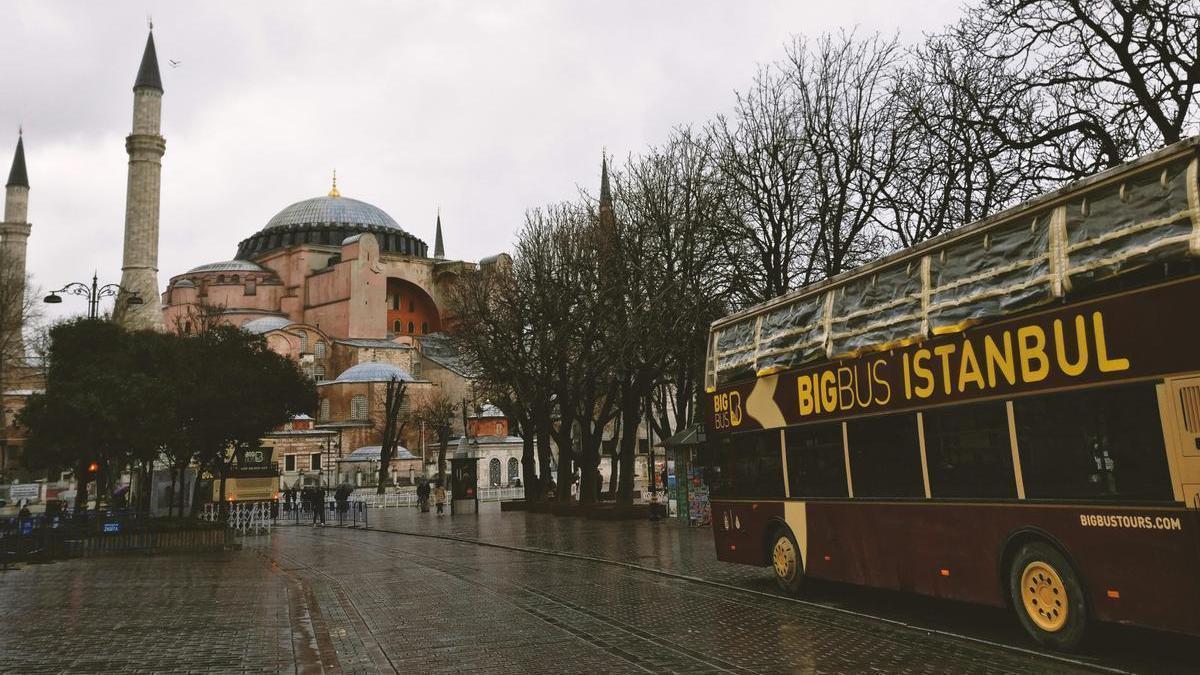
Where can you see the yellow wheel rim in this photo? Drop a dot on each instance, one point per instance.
(784, 558)
(1044, 596)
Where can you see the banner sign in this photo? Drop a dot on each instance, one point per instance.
(1143, 333)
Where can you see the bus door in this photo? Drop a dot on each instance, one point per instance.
(1181, 419)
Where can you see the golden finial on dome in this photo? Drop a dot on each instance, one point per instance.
(333, 192)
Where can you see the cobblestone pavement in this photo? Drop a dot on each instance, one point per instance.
(671, 546)
(342, 600)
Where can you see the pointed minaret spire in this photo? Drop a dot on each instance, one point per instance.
(606, 208)
(148, 76)
(18, 177)
(14, 235)
(605, 193)
(138, 305)
(439, 251)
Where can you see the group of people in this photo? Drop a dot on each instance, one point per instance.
(439, 497)
(312, 498)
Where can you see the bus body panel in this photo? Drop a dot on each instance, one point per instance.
(1137, 564)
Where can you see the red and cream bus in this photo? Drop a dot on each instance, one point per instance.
(1008, 414)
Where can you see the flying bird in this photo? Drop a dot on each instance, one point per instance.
(174, 63)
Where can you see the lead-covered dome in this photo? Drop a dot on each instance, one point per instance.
(327, 210)
(374, 371)
(328, 221)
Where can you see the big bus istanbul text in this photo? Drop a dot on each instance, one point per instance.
(1021, 356)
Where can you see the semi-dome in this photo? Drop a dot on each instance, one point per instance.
(329, 220)
(374, 371)
(226, 266)
(266, 324)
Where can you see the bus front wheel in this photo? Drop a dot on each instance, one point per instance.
(1047, 596)
(786, 561)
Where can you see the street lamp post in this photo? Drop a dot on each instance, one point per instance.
(93, 293)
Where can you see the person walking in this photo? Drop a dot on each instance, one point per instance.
(439, 498)
(342, 496)
(423, 496)
(318, 496)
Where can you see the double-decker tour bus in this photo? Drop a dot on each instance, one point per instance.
(1006, 414)
(253, 477)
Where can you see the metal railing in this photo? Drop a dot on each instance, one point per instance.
(243, 517)
(408, 498)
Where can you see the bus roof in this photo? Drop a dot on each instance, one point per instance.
(1143, 212)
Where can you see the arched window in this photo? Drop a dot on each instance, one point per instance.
(494, 472)
(324, 414)
(424, 327)
(410, 326)
(514, 470)
(397, 327)
(303, 342)
(235, 279)
(319, 373)
(499, 428)
(251, 288)
(412, 306)
(220, 278)
(396, 302)
(320, 347)
(358, 407)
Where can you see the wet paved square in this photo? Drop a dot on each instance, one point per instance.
(345, 600)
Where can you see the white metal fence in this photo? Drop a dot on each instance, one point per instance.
(242, 517)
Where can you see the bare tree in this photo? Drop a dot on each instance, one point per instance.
(765, 232)
(1107, 79)
(435, 410)
(952, 169)
(848, 141)
(395, 419)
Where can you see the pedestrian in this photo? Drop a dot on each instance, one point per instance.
(439, 497)
(423, 496)
(342, 495)
(318, 496)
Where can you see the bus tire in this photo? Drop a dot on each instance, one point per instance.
(1047, 596)
(786, 561)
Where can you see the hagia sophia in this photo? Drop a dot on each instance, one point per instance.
(330, 281)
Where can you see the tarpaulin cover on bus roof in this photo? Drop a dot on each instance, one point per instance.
(1141, 221)
(1120, 225)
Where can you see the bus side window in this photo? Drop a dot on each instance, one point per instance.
(885, 456)
(968, 451)
(816, 461)
(1102, 444)
(748, 466)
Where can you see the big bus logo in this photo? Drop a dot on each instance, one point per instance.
(727, 410)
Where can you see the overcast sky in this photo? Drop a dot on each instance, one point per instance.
(482, 108)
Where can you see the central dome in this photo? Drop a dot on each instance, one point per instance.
(332, 211)
(327, 221)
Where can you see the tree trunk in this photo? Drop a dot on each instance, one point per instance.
(81, 481)
(566, 460)
(542, 435)
(612, 475)
(101, 482)
(195, 494)
(630, 405)
(529, 468)
(223, 508)
(443, 441)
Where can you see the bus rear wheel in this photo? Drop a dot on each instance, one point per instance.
(1047, 596)
(786, 561)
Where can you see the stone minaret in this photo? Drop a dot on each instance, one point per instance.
(139, 269)
(439, 251)
(14, 232)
